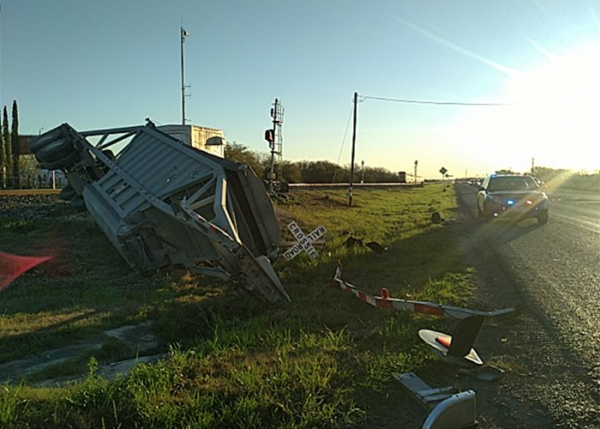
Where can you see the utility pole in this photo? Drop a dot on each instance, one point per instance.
(353, 150)
(362, 172)
(184, 34)
(416, 163)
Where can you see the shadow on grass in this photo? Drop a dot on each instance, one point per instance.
(87, 288)
(186, 308)
(93, 290)
(406, 269)
(325, 338)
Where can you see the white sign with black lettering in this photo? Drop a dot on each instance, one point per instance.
(304, 241)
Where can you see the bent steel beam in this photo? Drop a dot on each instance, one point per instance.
(162, 203)
(448, 408)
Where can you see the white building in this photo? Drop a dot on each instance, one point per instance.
(210, 140)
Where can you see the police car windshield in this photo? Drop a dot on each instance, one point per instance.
(516, 183)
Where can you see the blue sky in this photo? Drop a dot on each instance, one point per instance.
(111, 63)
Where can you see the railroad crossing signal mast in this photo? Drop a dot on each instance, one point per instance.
(275, 138)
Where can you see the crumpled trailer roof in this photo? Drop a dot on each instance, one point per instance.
(162, 203)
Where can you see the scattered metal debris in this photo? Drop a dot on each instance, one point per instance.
(162, 203)
(483, 373)
(352, 241)
(458, 349)
(376, 247)
(373, 245)
(436, 218)
(448, 407)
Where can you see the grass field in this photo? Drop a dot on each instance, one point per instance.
(324, 360)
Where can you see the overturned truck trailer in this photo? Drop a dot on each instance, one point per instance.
(162, 203)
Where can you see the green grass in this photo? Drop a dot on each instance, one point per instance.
(324, 360)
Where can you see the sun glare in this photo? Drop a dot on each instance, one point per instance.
(560, 104)
(556, 119)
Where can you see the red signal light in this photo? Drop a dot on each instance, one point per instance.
(269, 136)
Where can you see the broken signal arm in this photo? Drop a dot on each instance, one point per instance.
(423, 307)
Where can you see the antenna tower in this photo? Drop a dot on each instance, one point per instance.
(276, 145)
(184, 34)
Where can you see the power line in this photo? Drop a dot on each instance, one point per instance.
(345, 134)
(437, 103)
(343, 141)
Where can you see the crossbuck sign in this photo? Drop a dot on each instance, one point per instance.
(304, 241)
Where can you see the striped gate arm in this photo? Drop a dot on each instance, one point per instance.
(423, 307)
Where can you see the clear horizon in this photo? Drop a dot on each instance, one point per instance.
(109, 64)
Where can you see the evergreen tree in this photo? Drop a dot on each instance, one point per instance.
(15, 145)
(2, 159)
(8, 153)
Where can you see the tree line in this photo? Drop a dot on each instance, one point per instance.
(9, 149)
(584, 181)
(328, 172)
(307, 171)
(11, 165)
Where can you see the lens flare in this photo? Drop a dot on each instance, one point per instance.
(12, 266)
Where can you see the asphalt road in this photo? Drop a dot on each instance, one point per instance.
(555, 271)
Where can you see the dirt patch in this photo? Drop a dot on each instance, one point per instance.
(315, 199)
(136, 337)
(33, 206)
(13, 372)
(129, 339)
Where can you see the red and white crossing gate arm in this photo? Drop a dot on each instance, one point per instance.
(423, 307)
